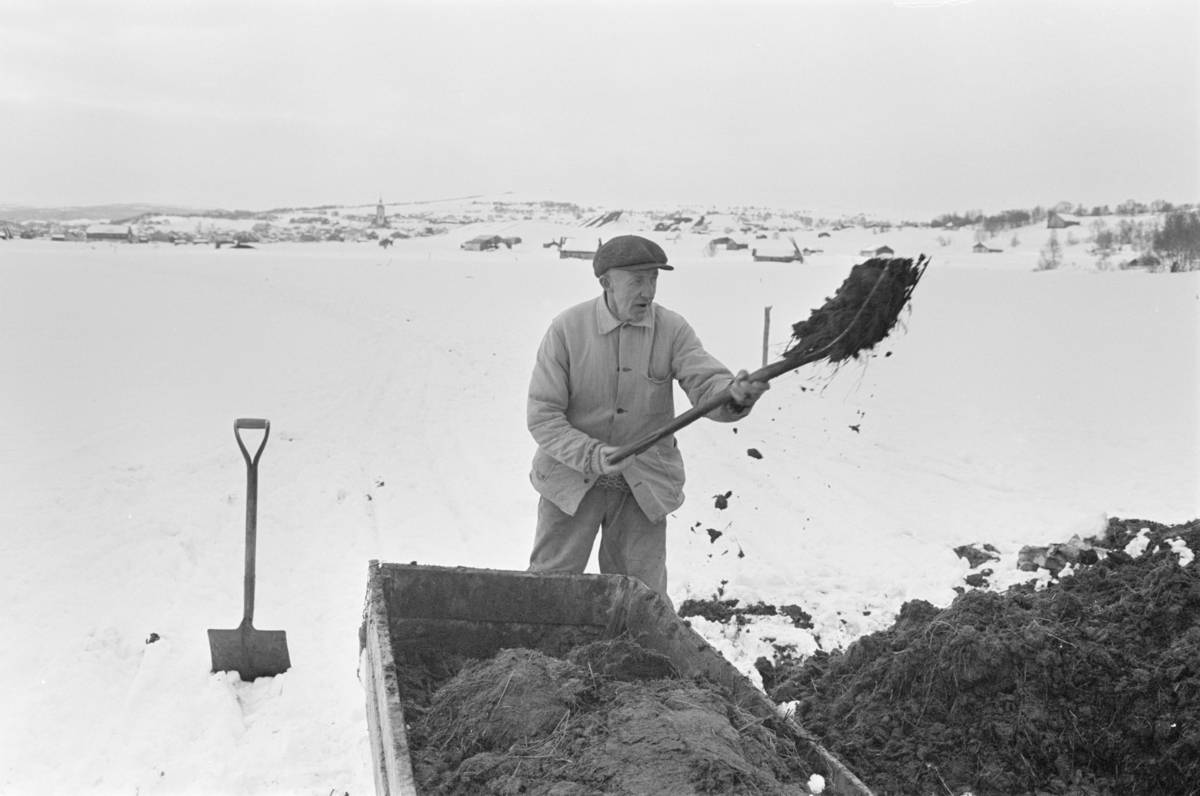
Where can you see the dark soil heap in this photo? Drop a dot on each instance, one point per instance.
(613, 718)
(1089, 686)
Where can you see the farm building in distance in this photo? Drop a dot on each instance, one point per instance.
(728, 243)
(877, 251)
(579, 248)
(483, 243)
(1058, 220)
(488, 242)
(982, 248)
(110, 232)
(776, 251)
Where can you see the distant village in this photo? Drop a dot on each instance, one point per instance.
(767, 234)
(575, 231)
(325, 224)
(219, 228)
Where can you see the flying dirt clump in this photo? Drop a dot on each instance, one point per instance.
(1088, 686)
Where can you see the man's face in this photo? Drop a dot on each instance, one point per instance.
(629, 293)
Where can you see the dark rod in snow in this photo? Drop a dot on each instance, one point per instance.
(860, 315)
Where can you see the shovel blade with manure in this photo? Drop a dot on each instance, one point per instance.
(249, 652)
(860, 315)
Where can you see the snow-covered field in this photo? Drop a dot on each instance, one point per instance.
(1019, 407)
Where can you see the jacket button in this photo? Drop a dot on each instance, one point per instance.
(620, 411)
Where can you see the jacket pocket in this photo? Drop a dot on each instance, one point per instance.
(660, 400)
(670, 464)
(544, 467)
(658, 368)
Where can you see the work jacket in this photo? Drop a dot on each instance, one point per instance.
(598, 381)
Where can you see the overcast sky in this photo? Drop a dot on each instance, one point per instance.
(889, 106)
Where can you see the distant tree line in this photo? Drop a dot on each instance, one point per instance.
(1165, 243)
(226, 214)
(1007, 219)
(1127, 232)
(1010, 219)
(1178, 241)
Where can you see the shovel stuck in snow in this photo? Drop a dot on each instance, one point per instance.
(249, 652)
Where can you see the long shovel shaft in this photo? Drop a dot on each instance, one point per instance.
(251, 510)
(251, 544)
(647, 441)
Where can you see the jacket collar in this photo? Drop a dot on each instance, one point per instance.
(606, 321)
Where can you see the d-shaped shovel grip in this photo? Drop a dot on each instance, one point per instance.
(251, 508)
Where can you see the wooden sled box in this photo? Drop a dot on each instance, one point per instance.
(478, 612)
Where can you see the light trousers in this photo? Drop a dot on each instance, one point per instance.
(630, 544)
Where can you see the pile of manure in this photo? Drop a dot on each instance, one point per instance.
(1088, 686)
(610, 718)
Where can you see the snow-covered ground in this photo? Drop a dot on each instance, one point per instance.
(1019, 407)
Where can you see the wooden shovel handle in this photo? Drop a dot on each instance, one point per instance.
(647, 441)
(251, 510)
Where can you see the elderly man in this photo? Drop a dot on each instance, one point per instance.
(604, 376)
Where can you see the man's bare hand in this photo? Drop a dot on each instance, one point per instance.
(608, 468)
(745, 392)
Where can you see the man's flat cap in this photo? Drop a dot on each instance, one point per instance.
(631, 252)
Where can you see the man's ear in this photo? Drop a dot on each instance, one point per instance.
(605, 282)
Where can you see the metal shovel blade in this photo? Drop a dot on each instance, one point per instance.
(249, 652)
